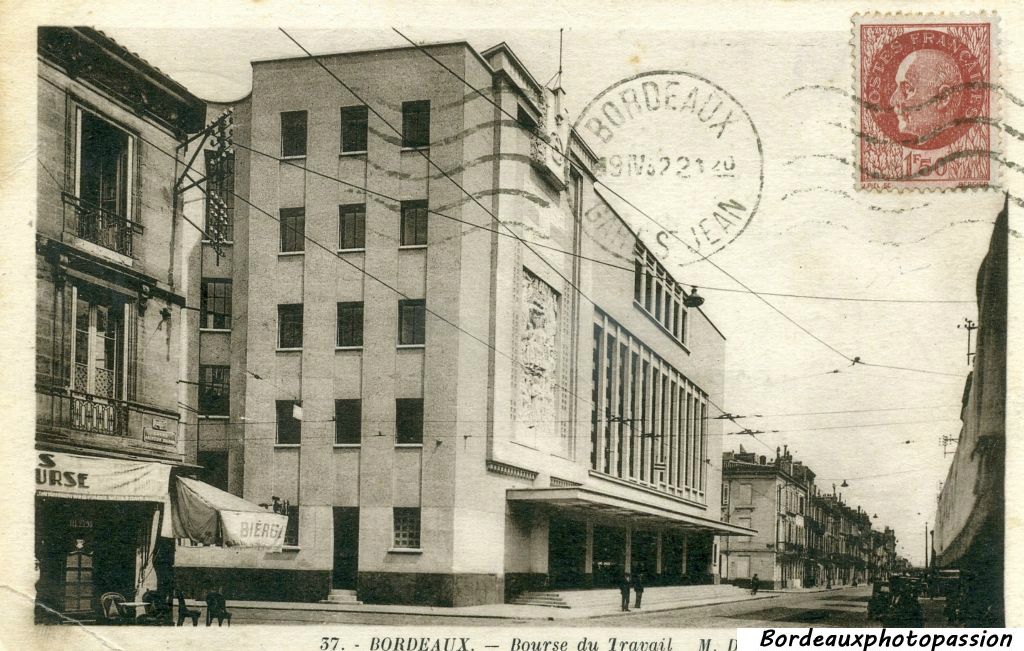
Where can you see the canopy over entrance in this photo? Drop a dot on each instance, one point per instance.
(211, 516)
(587, 500)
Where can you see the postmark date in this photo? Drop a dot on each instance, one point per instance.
(641, 164)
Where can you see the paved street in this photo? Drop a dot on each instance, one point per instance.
(846, 607)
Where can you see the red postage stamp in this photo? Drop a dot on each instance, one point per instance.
(924, 101)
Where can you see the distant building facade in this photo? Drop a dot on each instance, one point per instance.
(109, 299)
(409, 372)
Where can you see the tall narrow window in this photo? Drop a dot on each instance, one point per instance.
(416, 124)
(220, 183)
(412, 322)
(595, 392)
(348, 421)
(215, 304)
(293, 229)
(98, 343)
(409, 421)
(293, 133)
(289, 423)
(638, 280)
(214, 390)
(104, 177)
(414, 223)
(407, 528)
(350, 324)
(352, 226)
(353, 128)
(289, 325)
(291, 531)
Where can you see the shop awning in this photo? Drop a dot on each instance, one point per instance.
(76, 476)
(580, 499)
(210, 516)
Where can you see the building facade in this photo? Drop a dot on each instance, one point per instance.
(109, 317)
(969, 530)
(805, 538)
(435, 347)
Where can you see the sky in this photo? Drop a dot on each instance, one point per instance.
(812, 234)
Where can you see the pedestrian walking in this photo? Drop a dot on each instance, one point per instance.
(624, 584)
(638, 588)
(754, 584)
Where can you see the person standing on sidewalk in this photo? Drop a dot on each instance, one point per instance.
(754, 584)
(638, 588)
(624, 583)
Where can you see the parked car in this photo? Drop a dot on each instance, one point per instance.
(881, 594)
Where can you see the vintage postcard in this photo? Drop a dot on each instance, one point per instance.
(519, 328)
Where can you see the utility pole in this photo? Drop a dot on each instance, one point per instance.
(926, 546)
(969, 326)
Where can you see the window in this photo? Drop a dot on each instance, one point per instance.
(350, 324)
(412, 322)
(104, 184)
(289, 427)
(215, 468)
(293, 229)
(220, 183)
(352, 226)
(98, 343)
(416, 124)
(214, 390)
(291, 531)
(746, 494)
(348, 422)
(293, 133)
(414, 223)
(409, 421)
(353, 128)
(289, 325)
(215, 305)
(407, 528)
(725, 494)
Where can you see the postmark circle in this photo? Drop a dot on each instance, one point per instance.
(682, 150)
(919, 89)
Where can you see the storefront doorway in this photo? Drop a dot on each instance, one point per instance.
(87, 548)
(643, 556)
(609, 555)
(346, 547)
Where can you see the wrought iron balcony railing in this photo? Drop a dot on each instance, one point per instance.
(94, 224)
(84, 412)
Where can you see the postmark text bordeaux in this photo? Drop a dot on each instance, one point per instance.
(681, 158)
(925, 103)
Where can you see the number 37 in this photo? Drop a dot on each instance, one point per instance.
(328, 644)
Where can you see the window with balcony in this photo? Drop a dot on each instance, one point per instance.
(354, 125)
(293, 134)
(414, 223)
(352, 227)
(289, 422)
(407, 528)
(289, 326)
(350, 324)
(98, 344)
(214, 390)
(409, 421)
(412, 322)
(348, 422)
(293, 230)
(416, 124)
(102, 212)
(215, 304)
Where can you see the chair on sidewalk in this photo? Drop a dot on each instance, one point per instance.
(184, 612)
(113, 612)
(216, 608)
(157, 611)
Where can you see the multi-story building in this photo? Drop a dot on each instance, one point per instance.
(437, 349)
(109, 318)
(770, 497)
(970, 521)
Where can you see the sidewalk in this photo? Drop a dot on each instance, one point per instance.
(809, 590)
(487, 611)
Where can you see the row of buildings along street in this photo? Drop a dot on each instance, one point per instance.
(287, 350)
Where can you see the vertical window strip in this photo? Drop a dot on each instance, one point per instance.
(595, 392)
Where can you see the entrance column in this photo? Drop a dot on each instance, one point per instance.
(628, 562)
(686, 540)
(588, 556)
(657, 554)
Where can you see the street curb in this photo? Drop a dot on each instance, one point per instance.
(376, 611)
